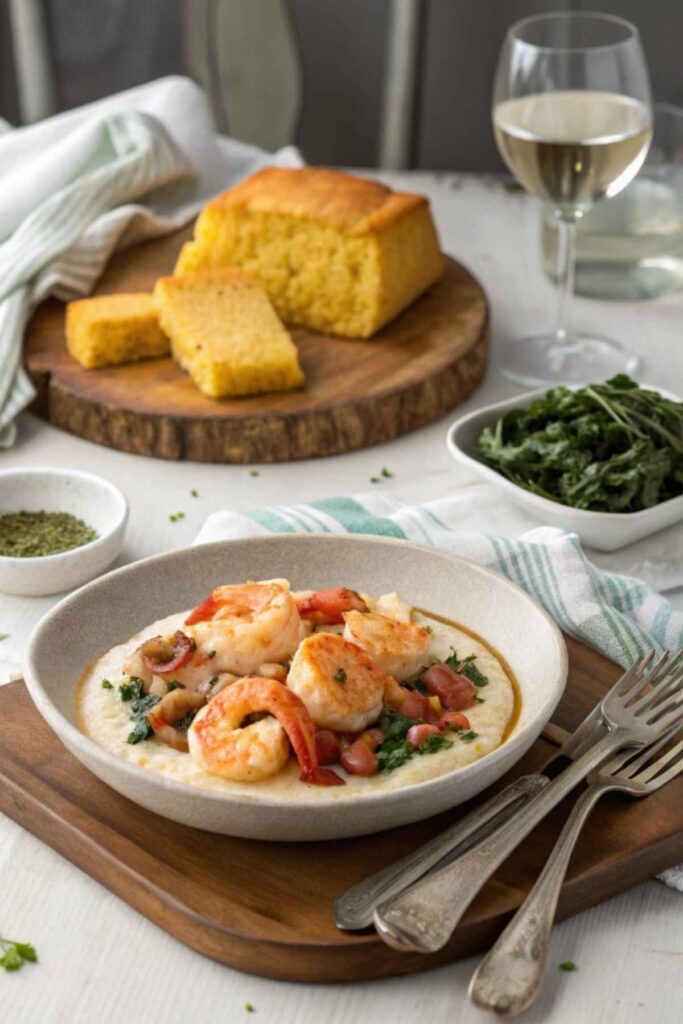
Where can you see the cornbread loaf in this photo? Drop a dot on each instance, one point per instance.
(335, 253)
(226, 334)
(110, 329)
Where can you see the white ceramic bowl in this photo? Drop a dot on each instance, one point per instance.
(606, 531)
(94, 500)
(84, 625)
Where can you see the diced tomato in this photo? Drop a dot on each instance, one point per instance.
(417, 734)
(358, 759)
(321, 777)
(415, 705)
(455, 691)
(328, 746)
(372, 737)
(328, 606)
(454, 720)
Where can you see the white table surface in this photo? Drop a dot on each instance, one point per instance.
(100, 960)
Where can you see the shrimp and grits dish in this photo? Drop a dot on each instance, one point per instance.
(266, 690)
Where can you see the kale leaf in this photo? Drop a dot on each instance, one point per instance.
(612, 447)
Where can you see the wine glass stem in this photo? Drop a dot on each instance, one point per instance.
(566, 240)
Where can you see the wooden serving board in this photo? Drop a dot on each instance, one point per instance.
(358, 393)
(266, 908)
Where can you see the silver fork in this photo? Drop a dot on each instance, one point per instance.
(508, 979)
(355, 908)
(423, 917)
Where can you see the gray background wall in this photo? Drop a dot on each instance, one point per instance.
(101, 46)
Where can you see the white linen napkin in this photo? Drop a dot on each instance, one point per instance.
(81, 184)
(618, 615)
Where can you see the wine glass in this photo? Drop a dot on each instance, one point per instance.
(572, 117)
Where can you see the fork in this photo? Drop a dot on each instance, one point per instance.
(508, 979)
(355, 908)
(423, 917)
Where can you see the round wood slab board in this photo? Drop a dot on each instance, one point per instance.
(359, 393)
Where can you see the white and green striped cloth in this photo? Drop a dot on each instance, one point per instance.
(617, 615)
(78, 186)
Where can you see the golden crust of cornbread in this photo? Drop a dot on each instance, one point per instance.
(225, 333)
(335, 252)
(110, 329)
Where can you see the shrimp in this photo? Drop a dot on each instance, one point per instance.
(221, 745)
(242, 627)
(339, 683)
(170, 710)
(398, 648)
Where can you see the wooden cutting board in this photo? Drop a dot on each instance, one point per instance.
(358, 393)
(266, 908)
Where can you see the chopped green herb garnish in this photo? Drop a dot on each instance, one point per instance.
(106, 685)
(13, 955)
(141, 703)
(174, 685)
(568, 965)
(254, 472)
(467, 737)
(249, 1008)
(386, 474)
(395, 750)
(141, 730)
(194, 493)
(340, 676)
(375, 480)
(4, 636)
(175, 516)
(212, 654)
(611, 447)
(186, 721)
(428, 629)
(480, 700)
(467, 667)
(213, 680)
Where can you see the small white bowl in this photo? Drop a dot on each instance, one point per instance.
(94, 500)
(605, 531)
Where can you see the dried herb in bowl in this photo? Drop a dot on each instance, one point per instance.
(612, 447)
(36, 534)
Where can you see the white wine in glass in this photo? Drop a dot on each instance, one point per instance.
(572, 119)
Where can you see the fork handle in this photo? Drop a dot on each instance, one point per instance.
(509, 977)
(423, 917)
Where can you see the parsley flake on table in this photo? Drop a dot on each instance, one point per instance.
(176, 516)
(386, 473)
(13, 955)
(254, 472)
(249, 1008)
(194, 493)
(568, 965)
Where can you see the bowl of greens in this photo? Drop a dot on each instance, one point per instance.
(604, 461)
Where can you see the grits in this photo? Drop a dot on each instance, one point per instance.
(105, 718)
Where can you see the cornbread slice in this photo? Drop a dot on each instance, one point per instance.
(110, 329)
(226, 334)
(335, 252)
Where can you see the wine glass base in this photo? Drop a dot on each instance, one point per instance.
(585, 359)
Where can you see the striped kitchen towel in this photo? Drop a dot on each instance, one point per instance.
(618, 615)
(78, 186)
